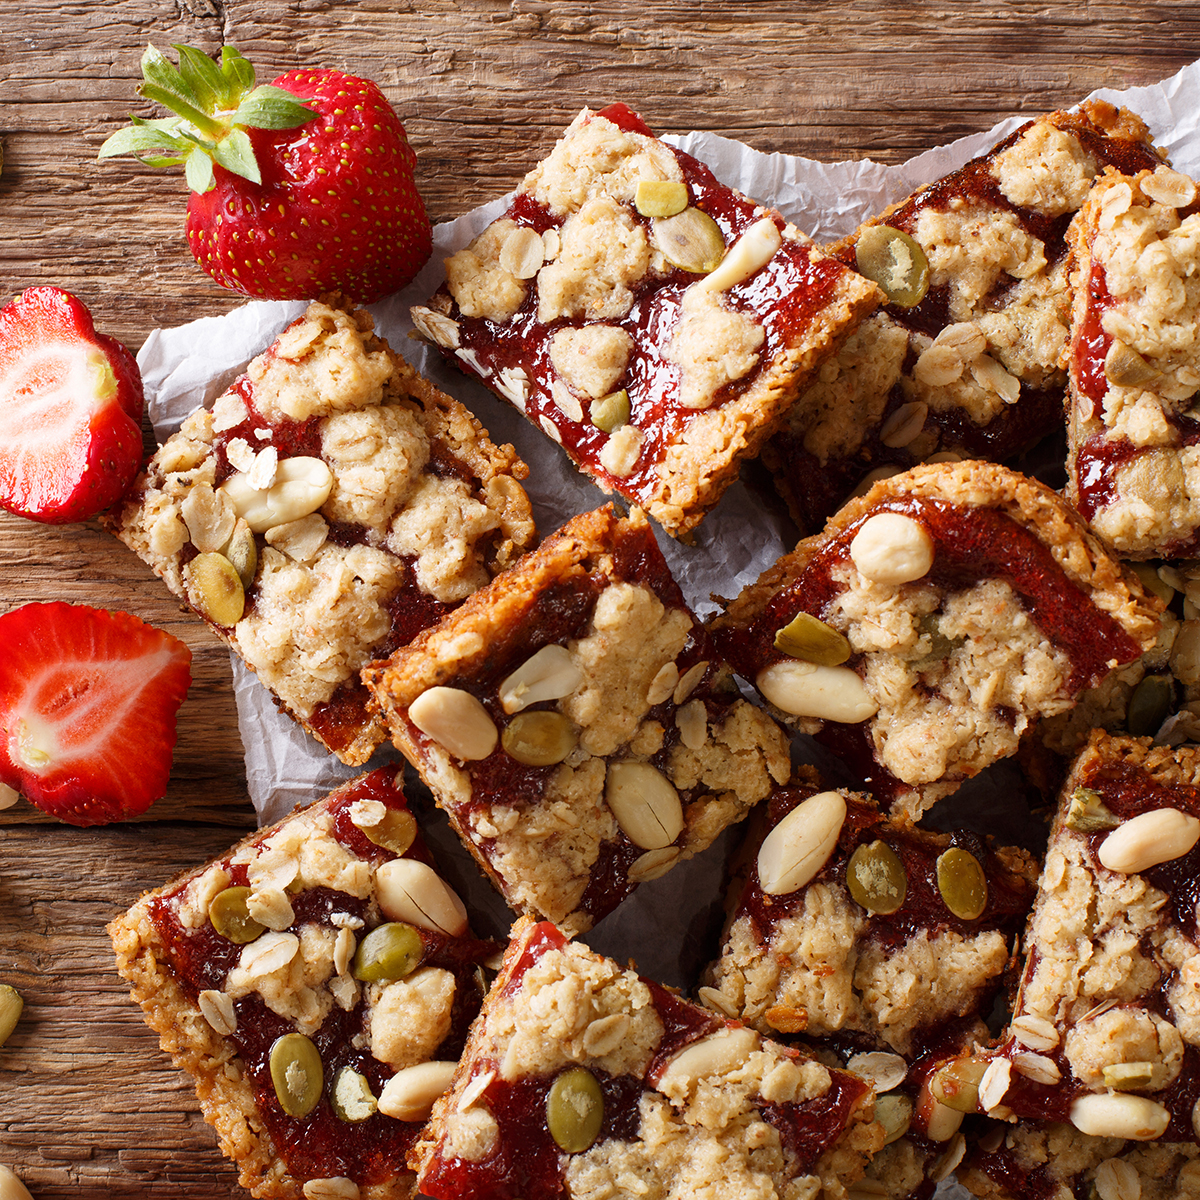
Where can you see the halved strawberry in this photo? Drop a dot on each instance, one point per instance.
(70, 410)
(298, 188)
(88, 700)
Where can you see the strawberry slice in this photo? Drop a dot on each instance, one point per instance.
(70, 410)
(88, 700)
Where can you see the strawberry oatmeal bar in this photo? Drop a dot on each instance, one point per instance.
(317, 984)
(572, 720)
(1134, 431)
(965, 359)
(330, 506)
(584, 1080)
(934, 622)
(649, 319)
(1105, 1032)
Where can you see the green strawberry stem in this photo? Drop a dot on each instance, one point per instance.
(214, 106)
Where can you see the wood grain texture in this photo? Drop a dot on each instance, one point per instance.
(90, 1105)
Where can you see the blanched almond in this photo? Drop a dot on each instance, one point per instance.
(336, 1187)
(717, 1054)
(301, 486)
(883, 1071)
(550, 674)
(750, 253)
(411, 1093)
(800, 845)
(645, 803)
(523, 252)
(994, 1085)
(412, 891)
(1118, 1115)
(806, 689)
(1150, 838)
(892, 548)
(456, 720)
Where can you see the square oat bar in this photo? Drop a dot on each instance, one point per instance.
(651, 320)
(572, 720)
(935, 621)
(1133, 428)
(330, 506)
(316, 983)
(584, 1080)
(1105, 1032)
(851, 923)
(965, 359)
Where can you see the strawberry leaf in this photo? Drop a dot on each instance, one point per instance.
(145, 137)
(203, 79)
(272, 108)
(236, 154)
(198, 171)
(239, 71)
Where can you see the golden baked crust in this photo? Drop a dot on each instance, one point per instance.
(574, 301)
(954, 669)
(421, 509)
(197, 992)
(643, 700)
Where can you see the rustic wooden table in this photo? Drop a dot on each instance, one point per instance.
(88, 1104)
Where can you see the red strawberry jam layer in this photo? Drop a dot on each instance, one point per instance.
(321, 1145)
(526, 1161)
(971, 545)
(785, 296)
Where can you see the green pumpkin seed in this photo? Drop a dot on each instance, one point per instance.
(388, 952)
(395, 832)
(297, 1074)
(242, 552)
(540, 738)
(575, 1110)
(808, 638)
(956, 1084)
(690, 240)
(962, 883)
(896, 262)
(1126, 1077)
(876, 879)
(230, 916)
(1149, 705)
(351, 1097)
(660, 197)
(610, 412)
(894, 1112)
(214, 587)
(1087, 813)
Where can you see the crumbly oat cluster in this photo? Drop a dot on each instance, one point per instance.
(935, 621)
(330, 505)
(643, 1094)
(652, 321)
(972, 368)
(1105, 1031)
(316, 983)
(1056, 1162)
(575, 725)
(885, 931)
(1135, 363)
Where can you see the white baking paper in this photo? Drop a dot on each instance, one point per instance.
(666, 925)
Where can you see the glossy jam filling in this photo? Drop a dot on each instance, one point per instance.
(924, 910)
(321, 1145)
(971, 545)
(559, 613)
(785, 296)
(527, 1163)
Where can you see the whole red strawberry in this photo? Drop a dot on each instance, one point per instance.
(299, 188)
(88, 700)
(70, 410)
